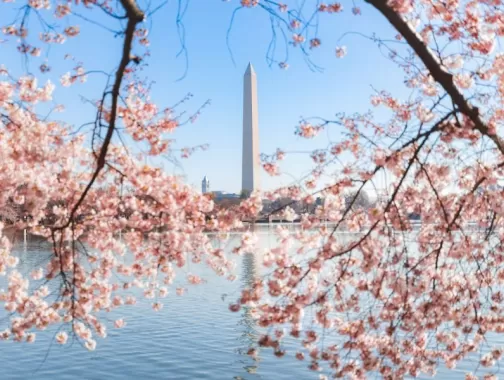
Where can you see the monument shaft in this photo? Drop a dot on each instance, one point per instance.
(250, 159)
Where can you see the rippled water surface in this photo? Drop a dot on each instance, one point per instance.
(192, 337)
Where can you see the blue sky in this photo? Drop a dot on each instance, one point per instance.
(284, 95)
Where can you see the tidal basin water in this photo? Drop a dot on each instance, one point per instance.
(194, 336)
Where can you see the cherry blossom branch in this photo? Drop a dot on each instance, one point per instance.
(135, 16)
(436, 193)
(426, 134)
(456, 216)
(440, 75)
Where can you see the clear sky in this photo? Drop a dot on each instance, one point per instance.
(284, 95)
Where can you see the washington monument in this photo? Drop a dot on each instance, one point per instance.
(250, 159)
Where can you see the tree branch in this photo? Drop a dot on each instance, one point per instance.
(135, 16)
(440, 75)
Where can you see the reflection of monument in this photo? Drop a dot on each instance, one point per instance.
(249, 336)
(250, 271)
(250, 153)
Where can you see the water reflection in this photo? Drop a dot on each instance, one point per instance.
(33, 252)
(249, 334)
(192, 337)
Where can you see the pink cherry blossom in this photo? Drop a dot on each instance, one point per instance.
(234, 307)
(463, 81)
(271, 168)
(423, 114)
(454, 62)
(341, 51)
(37, 274)
(194, 279)
(249, 3)
(298, 39)
(156, 306)
(119, 323)
(308, 130)
(289, 214)
(61, 337)
(330, 8)
(90, 344)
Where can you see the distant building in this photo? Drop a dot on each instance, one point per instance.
(220, 195)
(358, 200)
(205, 185)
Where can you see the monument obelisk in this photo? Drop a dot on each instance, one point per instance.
(250, 154)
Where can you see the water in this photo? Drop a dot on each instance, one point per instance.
(194, 336)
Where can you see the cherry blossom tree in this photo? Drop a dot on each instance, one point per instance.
(398, 300)
(385, 298)
(112, 222)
